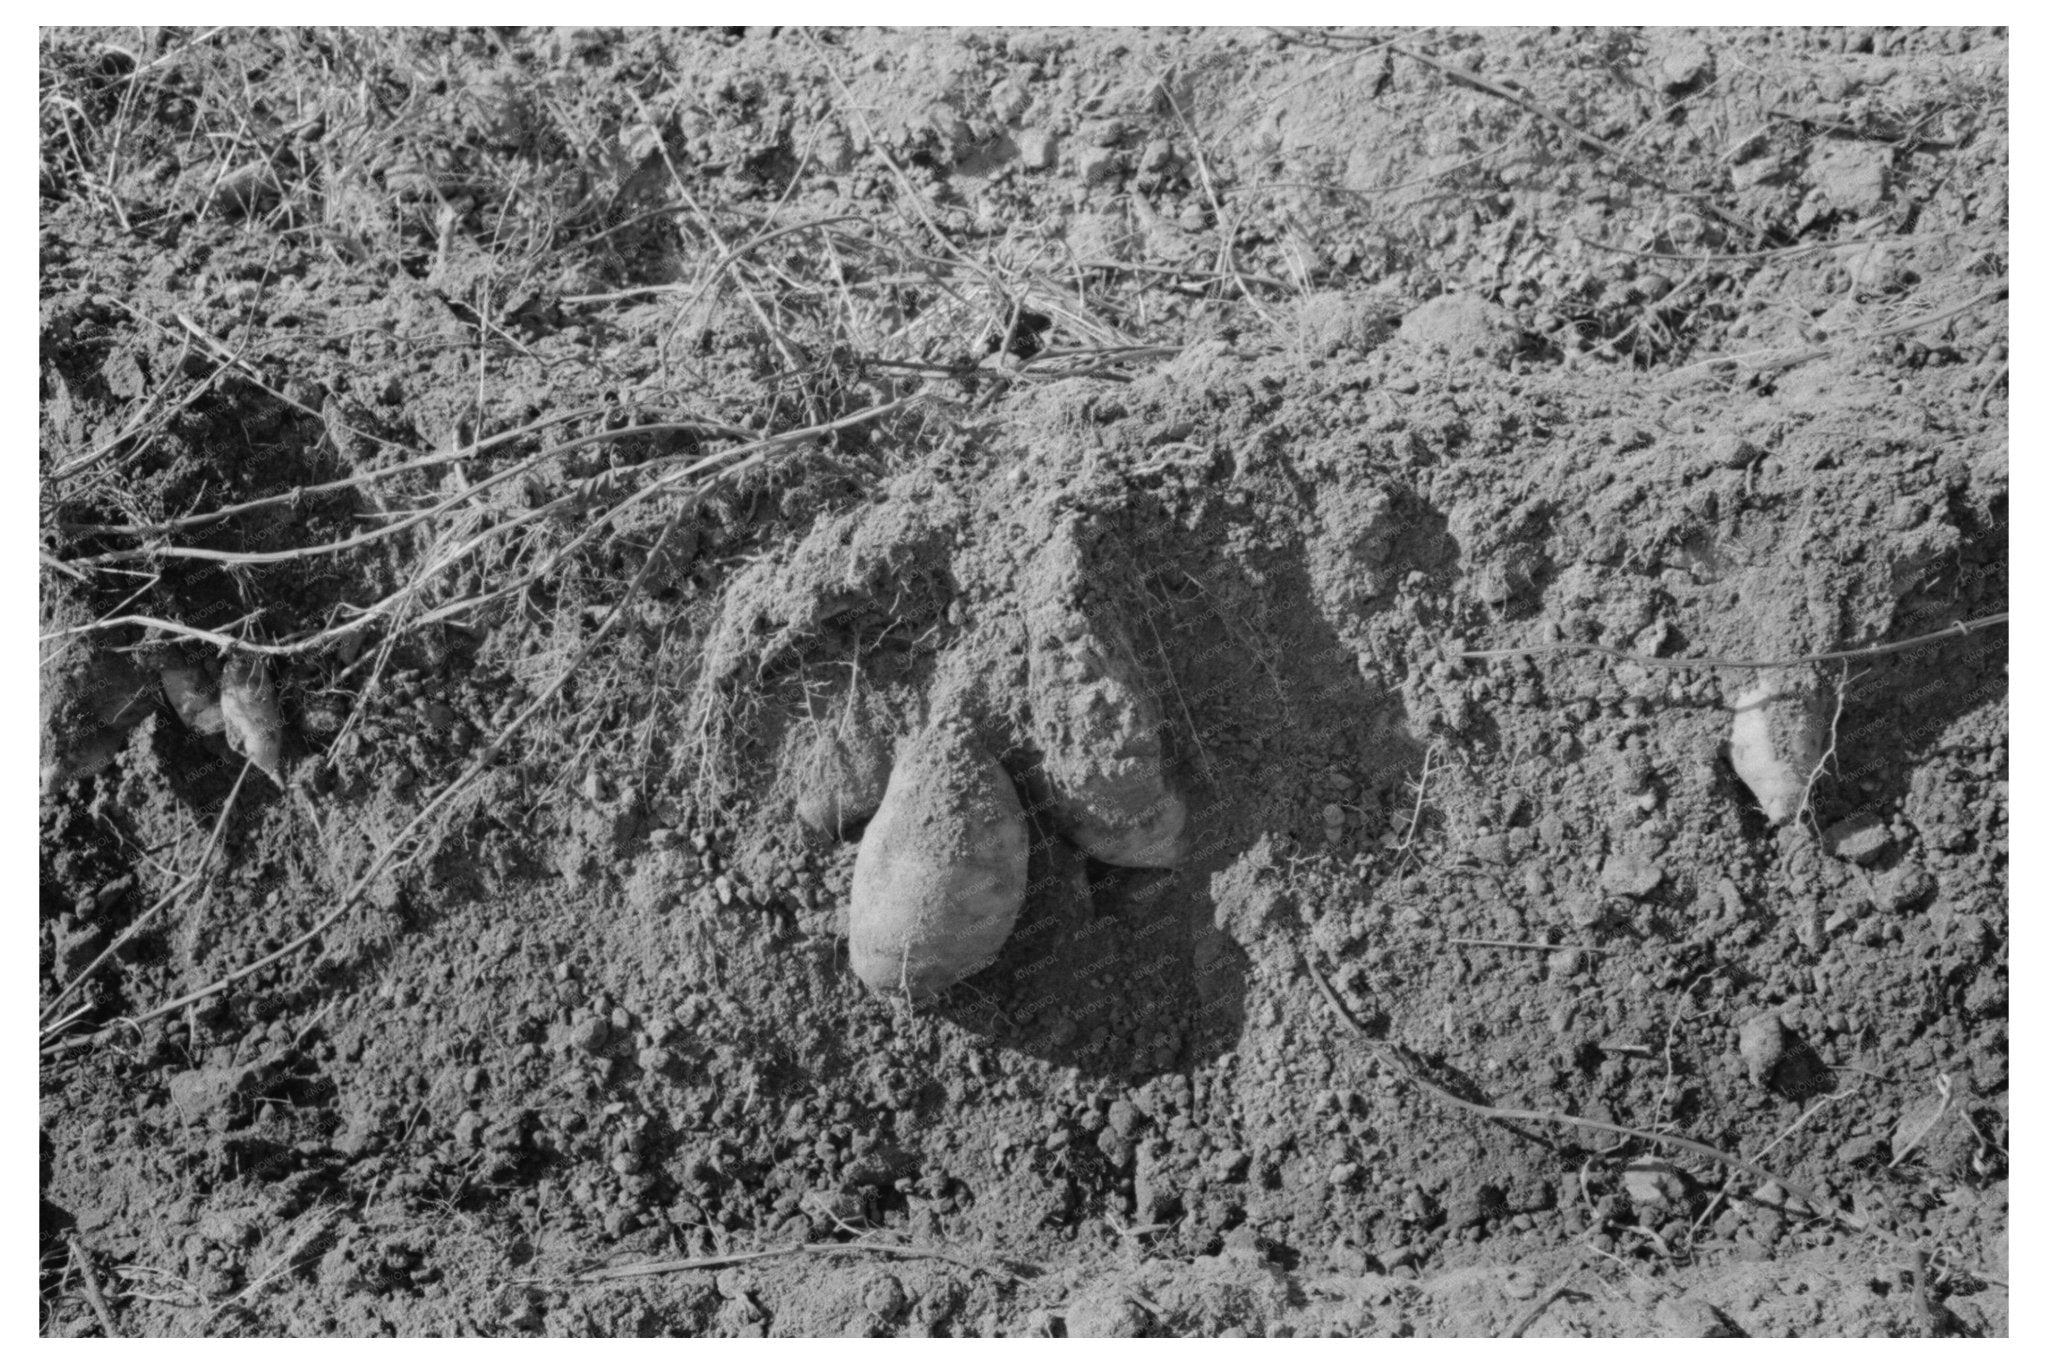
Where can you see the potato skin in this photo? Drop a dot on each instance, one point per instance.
(941, 872)
(1777, 739)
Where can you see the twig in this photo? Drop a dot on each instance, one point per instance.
(1921, 1301)
(1412, 1067)
(1542, 1304)
(480, 764)
(1784, 357)
(1959, 629)
(1721, 1195)
(1578, 134)
(647, 1269)
(1834, 738)
(1782, 252)
(1415, 819)
(1510, 945)
(91, 1279)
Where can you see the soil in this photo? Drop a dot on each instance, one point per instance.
(608, 447)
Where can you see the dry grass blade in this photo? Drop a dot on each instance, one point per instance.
(1956, 631)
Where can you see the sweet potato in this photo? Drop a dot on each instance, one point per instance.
(940, 876)
(1093, 718)
(1777, 740)
(249, 714)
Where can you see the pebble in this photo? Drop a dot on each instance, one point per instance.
(1763, 1042)
(1104, 1313)
(1098, 165)
(1653, 1181)
(1631, 874)
(1038, 149)
(1902, 888)
(1859, 839)
(589, 1035)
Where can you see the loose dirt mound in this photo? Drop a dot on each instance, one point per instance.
(1339, 488)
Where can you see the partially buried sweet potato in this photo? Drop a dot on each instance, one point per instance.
(1093, 716)
(940, 875)
(1777, 739)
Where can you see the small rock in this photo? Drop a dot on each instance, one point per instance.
(1229, 1166)
(1152, 1184)
(1104, 1314)
(1853, 178)
(1686, 66)
(835, 154)
(1630, 874)
(1692, 1318)
(1586, 911)
(1860, 839)
(589, 1034)
(1463, 325)
(196, 1094)
(469, 1130)
(1037, 149)
(885, 1297)
(1763, 1042)
(1098, 165)
(1859, 1148)
(1491, 848)
(1343, 1174)
(1124, 1118)
(1649, 1182)
(1902, 888)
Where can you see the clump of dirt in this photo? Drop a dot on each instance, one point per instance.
(1310, 509)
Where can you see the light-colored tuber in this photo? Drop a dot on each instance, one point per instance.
(941, 872)
(1778, 740)
(249, 714)
(193, 697)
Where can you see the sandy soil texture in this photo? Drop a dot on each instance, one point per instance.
(1478, 559)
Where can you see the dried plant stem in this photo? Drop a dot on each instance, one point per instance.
(734, 462)
(1956, 631)
(615, 1273)
(1411, 1067)
(88, 1276)
(447, 796)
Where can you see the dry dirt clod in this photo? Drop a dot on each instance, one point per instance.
(940, 877)
(843, 774)
(1093, 718)
(249, 714)
(1763, 1043)
(1778, 739)
(90, 700)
